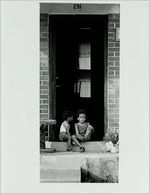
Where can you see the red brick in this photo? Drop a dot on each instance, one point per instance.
(113, 105)
(44, 96)
(111, 54)
(45, 101)
(44, 72)
(111, 34)
(111, 100)
(117, 100)
(111, 25)
(44, 77)
(111, 120)
(44, 87)
(45, 82)
(44, 52)
(44, 64)
(111, 44)
(44, 111)
(116, 120)
(45, 91)
(111, 39)
(44, 59)
(115, 20)
(43, 22)
(111, 110)
(44, 39)
(117, 16)
(111, 72)
(113, 58)
(113, 95)
(113, 49)
(117, 73)
(44, 44)
(117, 63)
(43, 106)
(44, 68)
(114, 116)
(114, 77)
(113, 124)
(111, 63)
(43, 116)
(44, 27)
(117, 25)
(117, 54)
(117, 44)
(111, 16)
(114, 68)
(111, 30)
(43, 16)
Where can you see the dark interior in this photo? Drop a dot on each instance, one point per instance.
(69, 31)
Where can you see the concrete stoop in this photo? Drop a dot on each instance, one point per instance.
(95, 146)
(74, 167)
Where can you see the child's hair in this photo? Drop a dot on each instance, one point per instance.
(67, 114)
(81, 111)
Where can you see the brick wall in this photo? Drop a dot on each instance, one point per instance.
(44, 67)
(113, 72)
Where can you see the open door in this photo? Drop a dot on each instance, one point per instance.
(79, 68)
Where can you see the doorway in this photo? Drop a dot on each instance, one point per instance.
(79, 67)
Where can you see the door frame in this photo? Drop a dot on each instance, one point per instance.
(52, 70)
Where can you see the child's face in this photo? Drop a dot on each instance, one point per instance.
(70, 119)
(82, 118)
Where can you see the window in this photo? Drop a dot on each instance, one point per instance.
(83, 82)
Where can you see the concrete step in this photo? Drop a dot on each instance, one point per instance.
(60, 175)
(59, 168)
(64, 161)
(93, 146)
(66, 166)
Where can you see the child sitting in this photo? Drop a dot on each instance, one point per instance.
(75, 140)
(83, 129)
(64, 134)
(67, 131)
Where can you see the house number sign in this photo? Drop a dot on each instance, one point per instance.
(77, 6)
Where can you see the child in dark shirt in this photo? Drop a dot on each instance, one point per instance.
(83, 129)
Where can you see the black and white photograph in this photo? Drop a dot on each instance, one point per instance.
(79, 92)
(74, 96)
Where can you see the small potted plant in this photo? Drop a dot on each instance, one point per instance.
(112, 141)
(45, 145)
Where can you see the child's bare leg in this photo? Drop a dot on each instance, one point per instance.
(80, 137)
(76, 141)
(69, 141)
(87, 136)
(82, 149)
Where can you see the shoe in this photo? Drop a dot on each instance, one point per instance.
(69, 149)
(82, 149)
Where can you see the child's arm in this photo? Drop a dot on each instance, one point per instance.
(67, 128)
(77, 133)
(90, 127)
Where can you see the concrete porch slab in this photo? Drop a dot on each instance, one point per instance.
(79, 167)
(92, 146)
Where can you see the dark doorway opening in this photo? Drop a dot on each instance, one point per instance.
(79, 71)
